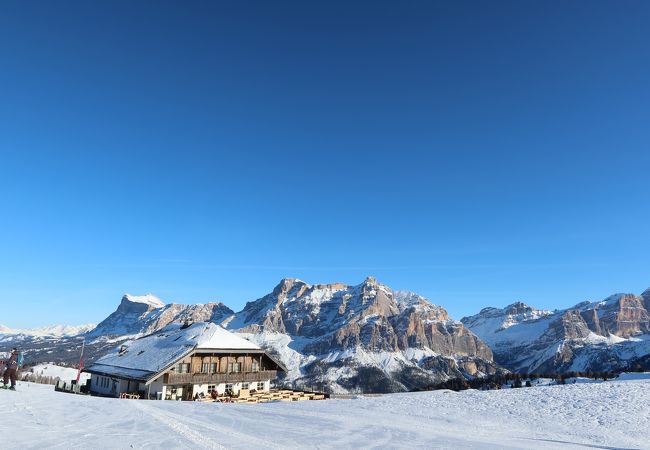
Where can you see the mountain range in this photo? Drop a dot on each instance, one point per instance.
(606, 335)
(371, 338)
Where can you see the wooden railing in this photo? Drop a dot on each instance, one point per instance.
(232, 377)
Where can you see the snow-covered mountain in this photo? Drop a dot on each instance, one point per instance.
(141, 315)
(135, 316)
(591, 336)
(343, 338)
(366, 337)
(48, 331)
(369, 337)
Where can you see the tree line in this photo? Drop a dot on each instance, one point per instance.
(515, 380)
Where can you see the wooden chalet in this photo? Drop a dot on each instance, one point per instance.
(181, 362)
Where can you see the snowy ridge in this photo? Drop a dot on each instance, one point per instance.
(50, 331)
(141, 315)
(359, 338)
(372, 338)
(148, 299)
(590, 336)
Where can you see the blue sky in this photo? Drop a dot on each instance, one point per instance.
(477, 153)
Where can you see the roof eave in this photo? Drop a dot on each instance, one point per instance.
(109, 374)
(160, 372)
(230, 350)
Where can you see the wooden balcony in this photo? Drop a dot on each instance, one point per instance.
(215, 378)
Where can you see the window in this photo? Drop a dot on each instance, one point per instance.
(234, 367)
(260, 386)
(229, 387)
(211, 388)
(213, 368)
(103, 382)
(205, 367)
(183, 368)
(171, 393)
(244, 385)
(256, 366)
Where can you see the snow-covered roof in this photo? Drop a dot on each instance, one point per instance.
(220, 338)
(145, 357)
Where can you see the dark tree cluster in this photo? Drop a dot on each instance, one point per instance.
(640, 365)
(515, 380)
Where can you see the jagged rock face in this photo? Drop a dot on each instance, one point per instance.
(355, 326)
(571, 325)
(144, 315)
(363, 338)
(519, 309)
(127, 319)
(597, 336)
(646, 299)
(369, 315)
(623, 316)
(208, 312)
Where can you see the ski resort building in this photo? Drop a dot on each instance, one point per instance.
(181, 361)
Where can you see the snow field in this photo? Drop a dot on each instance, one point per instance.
(55, 371)
(613, 414)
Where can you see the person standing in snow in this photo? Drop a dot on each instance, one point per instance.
(12, 365)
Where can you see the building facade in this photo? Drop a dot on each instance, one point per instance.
(180, 362)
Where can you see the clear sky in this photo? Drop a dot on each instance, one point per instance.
(477, 153)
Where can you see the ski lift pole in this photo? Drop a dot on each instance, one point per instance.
(81, 360)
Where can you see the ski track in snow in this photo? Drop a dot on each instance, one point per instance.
(610, 415)
(187, 425)
(175, 423)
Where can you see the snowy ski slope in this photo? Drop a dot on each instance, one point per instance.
(613, 414)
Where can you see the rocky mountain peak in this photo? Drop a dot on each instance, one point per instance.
(646, 298)
(368, 317)
(518, 308)
(286, 285)
(143, 314)
(589, 336)
(149, 300)
(370, 281)
(581, 305)
(488, 311)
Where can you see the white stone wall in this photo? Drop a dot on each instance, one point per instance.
(156, 386)
(97, 386)
(115, 386)
(221, 387)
